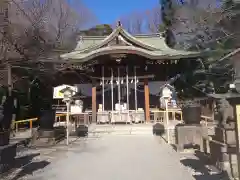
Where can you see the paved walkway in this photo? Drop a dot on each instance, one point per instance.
(112, 157)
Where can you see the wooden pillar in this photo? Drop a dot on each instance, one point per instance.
(146, 94)
(94, 103)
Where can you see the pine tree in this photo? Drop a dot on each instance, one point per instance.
(230, 22)
(167, 12)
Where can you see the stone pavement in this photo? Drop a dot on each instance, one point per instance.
(109, 157)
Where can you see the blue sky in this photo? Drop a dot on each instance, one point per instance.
(108, 11)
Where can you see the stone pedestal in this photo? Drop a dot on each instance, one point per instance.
(7, 151)
(4, 137)
(223, 149)
(225, 133)
(82, 131)
(41, 137)
(189, 136)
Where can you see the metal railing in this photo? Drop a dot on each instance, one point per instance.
(25, 121)
(30, 122)
(58, 118)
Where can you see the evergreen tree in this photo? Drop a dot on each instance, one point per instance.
(230, 22)
(98, 30)
(167, 12)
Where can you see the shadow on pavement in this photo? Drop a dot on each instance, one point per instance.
(24, 165)
(202, 168)
(30, 168)
(24, 160)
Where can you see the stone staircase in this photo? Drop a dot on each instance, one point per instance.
(126, 129)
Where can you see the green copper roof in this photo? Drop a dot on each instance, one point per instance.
(151, 46)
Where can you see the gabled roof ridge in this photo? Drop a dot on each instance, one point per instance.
(109, 38)
(136, 41)
(153, 35)
(105, 40)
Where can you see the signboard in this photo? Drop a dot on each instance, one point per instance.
(57, 91)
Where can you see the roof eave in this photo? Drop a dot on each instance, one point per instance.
(154, 55)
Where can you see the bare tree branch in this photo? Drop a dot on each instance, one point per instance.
(153, 19)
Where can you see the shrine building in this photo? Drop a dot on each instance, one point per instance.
(125, 72)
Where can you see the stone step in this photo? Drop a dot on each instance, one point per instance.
(122, 130)
(119, 133)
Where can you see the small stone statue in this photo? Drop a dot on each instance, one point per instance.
(225, 111)
(8, 110)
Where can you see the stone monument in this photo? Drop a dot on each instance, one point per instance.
(46, 134)
(190, 134)
(223, 144)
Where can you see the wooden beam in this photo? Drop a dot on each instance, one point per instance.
(94, 103)
(146, 94)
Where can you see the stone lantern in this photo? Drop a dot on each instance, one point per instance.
(67, 98)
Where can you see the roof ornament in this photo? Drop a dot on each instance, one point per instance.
(81, 39)
(119, 24)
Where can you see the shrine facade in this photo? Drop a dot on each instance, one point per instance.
(126, 72)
